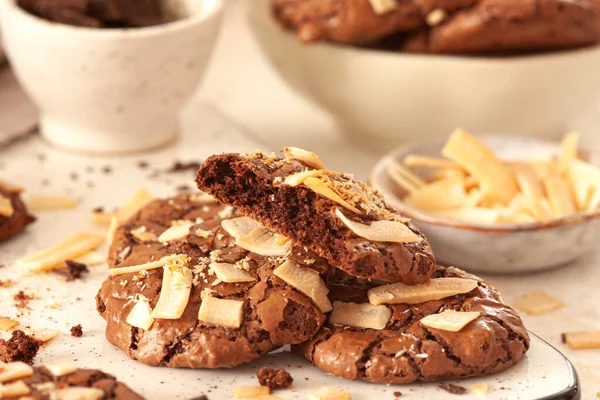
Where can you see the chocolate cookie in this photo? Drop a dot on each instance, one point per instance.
(13, 212)
(60, 380)
(339, 218)
(512, 26)
(212, 303)
(359, 22)
(407, 348)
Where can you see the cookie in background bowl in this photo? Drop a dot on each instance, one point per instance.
(498, 204)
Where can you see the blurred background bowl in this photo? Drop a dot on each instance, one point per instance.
(497, 249)
(111, 90)
(383, 98)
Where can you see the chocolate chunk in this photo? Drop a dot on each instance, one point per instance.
(274, 379)
(75, 270)
(11, 225)
(397, 394)
(76, 331)
(20, 347)
(454, 389)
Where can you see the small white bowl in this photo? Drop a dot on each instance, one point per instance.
(111, 90)
(500, 249)
(383, 98)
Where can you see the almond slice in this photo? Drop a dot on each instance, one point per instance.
(495, 179)
(533, 191)
(14, 389)
(307, 157)
(443, 194)
(417, 161)
(252, 236)
(142, 234)
(250, 392)
(584, 179)
(175, 258)
(435, 289)
(537, 302)
(52, 203)
(221, 312)
(77, 393)
(43, 335)
(140, 314)
(112, 230)
(560, 197)
(329, 393)
(178, 231)
(298, 178)
(228, 273)
(380, 231)
(582, 339)
(364, 315)
(307, 281)
(91, 258)
(102, 218)
(241, 226)
(407, 174)
(10, 188)
(383, 6)
(15, 370)
(69, 249)
(481, 388)
(449, 320)
(6, 207)
(568, 151)
(175, 292)
(60, 368)
(400, 180)
(133, 205)
(475, 215)
(202, 198)
(320, 187)
(7, 324)
(265, 242)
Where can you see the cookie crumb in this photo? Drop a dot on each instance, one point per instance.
(274, 379)
(6, 283)
(454, 389)
(143, 164)
(202, 397)
(76, 331)
(20, 347)
(75, 270)
(397, 394)
(22, 299)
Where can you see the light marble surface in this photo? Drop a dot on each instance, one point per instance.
(249, 106)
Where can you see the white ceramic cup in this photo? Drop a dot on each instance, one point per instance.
(384, 98)
(111, 90)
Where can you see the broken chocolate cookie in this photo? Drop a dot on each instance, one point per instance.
(60, 380)
(202, 287)
(338, 217)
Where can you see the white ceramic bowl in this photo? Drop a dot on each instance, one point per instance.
(501, 249)
(385, 98)
(111, 90)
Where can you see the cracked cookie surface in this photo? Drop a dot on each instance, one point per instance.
(256, 185)
(274, 313)
(405, 351)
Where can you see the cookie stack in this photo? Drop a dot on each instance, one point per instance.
(451, 27)
(295, 254)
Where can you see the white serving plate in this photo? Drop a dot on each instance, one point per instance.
(543, 374)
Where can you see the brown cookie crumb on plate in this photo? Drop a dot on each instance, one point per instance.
(14, 215)
(76, 331)
(274, 379)
(20, 347)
